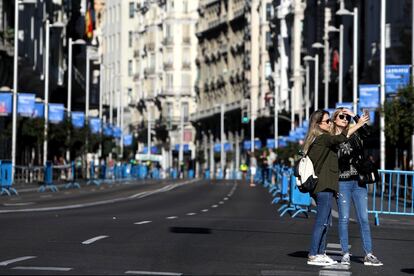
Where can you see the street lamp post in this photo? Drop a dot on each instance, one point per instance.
(382, 84)
(316, 45)
(46, 96)
(343, 11)
(307, 59)
(69, 105)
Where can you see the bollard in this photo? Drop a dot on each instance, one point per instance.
(72, 183)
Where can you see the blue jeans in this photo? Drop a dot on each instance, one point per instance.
(348, 190)
(321, 226)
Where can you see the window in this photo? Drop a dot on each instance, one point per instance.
(169, 81)
(185, 6)
(171, 5)
(169, 110)
(130, 38)
(268, 69)
(185, 110)
(130, 68)
(131, 9)
(168, 30)
(269, 11)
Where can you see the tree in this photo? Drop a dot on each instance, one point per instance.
(399, 123)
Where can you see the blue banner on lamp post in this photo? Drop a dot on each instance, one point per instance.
(369, 96)
(5, 104)
(25, 104)
(95, 125)
(56, 113)
(396, 77)
(78, 119)
(128, 140)
(39, 110)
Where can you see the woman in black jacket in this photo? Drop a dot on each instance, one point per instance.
(350, 154)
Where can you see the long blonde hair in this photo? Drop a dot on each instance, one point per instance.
(314, 129)
(334, 127)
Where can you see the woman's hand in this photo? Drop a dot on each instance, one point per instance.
(346, 111)
(363, 120)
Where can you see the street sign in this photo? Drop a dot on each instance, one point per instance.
(5, 104)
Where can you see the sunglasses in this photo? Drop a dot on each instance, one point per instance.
(342, 116)
(327, 121)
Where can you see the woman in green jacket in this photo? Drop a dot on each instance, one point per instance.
(320, 146)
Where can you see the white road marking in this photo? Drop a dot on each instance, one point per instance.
(191, 214)
(4, 263)
(153, 273)
(221, 202)
(226, 198)
(49, 268)
(94, 239)
(214, 206)
(204, 210)
(334, 273)
(172, 217)
(143, 222)
(46, 196)
(18, 204)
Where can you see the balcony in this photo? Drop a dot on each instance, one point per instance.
(186, 40)
(168, 65)
(168, 41)
(150, 46)
(186, 65)
(149, 70)
(136, 53)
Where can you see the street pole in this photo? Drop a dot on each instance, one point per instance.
(326, 61)
(412, 76)
(15, 80)
(316, 99)
(181, 151)
(111, 104)
(276, 103)
(101, 87)
(307, 92)
(70, 43)
(382, 84)
(149, 133)
(122, 123)
(355, 83)
(46, 92)
(222, 157)
(341, 58)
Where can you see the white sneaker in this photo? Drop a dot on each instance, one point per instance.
(320, 260)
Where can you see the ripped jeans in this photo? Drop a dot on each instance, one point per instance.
(322, 222)
(358, 193)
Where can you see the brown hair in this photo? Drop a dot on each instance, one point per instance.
(314, 129)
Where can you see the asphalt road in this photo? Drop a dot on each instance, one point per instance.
(165, 228)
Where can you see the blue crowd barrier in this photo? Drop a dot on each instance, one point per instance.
(6, 180)
(393, 195)
(207, 174)
(174, 174)
(191, 174)
(299, 202)
(92, 179)
(48, 179)
(72, 183)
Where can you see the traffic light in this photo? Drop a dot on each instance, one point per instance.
(245, 117)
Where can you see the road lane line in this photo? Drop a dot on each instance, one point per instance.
(4, 263)
(226, 198)
(204, 210)
(153, 273)
(221, 202)
(172, 217)
(48, 268)
(191, 214)
(18, 204)
(94, 239)
(143, 222)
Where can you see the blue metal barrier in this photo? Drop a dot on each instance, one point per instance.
(174, 174)
(207, 174)
(191, 174)
(393, 195)
(299, 202)
(48, 181)
(282, 194)
(92, 179)
(73, 183)
(6, 178)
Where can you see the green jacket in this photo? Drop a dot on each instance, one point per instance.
(327, 172)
